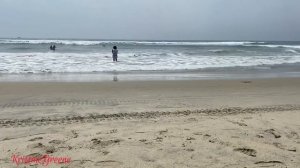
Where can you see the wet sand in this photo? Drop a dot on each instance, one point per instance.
(201, 123)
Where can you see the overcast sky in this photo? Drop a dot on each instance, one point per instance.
(152, 19)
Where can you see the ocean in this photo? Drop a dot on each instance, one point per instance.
(32, 56)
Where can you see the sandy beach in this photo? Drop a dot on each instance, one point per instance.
(159, 124)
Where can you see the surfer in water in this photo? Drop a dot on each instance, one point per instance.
(115, 53)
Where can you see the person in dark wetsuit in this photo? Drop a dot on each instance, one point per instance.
(51, 47)
(115, 53)
(54, 47)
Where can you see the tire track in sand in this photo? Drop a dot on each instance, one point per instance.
(7, 123)
(63, 103)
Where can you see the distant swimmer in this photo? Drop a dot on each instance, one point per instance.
(52, 47)
(115, 53)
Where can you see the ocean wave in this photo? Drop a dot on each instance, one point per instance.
(62, 42)
(277, 46)
(102, 62)
(292, 51)
(218, 51)
(87, 43)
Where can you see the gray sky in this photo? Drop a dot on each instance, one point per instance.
(152, 19)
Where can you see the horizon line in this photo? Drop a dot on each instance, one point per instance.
(114, 39)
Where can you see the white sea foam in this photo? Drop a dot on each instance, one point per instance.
(292, 51)
(86, 43)
(102, 62)
(278, 46)
(217, 51)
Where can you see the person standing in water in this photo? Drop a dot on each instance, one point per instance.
(115, 53)
(52, 47)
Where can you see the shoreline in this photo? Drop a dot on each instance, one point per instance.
(225, 73)
(232, 73)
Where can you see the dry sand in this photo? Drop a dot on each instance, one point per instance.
(207, 123)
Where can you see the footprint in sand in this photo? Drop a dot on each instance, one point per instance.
(198, 133)
(246, 151)
(190, 149)
(273, 132)
(50, 149)
(207, 135)
(108, 163)
(105, 143)
(56, 142)
(105, 152)
(35, 139)
(190, 138)
(192, 119)
(36, 155)
(260, 136)
(159, 139)
(75, 134)
(143, 140)
(293, 135)
(274, 164)
(163, 131)
(147, 158)
(284, 147)
(219, 141)
(46, 149)
(113, 131)
(238, 123)
(35, 145)
(79, 163)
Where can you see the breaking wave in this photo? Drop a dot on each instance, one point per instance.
(91, 42)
